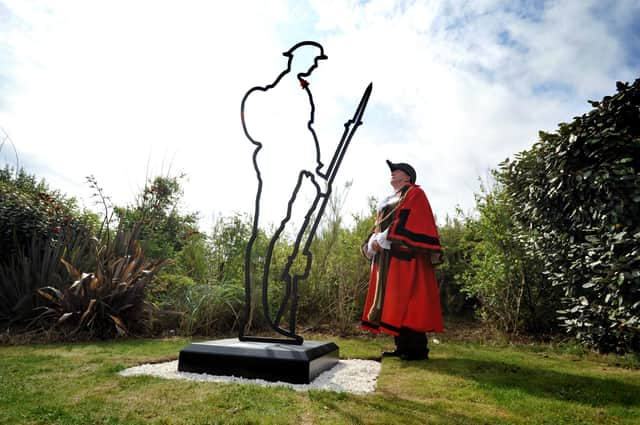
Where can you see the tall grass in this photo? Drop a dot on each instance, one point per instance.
(211, 309)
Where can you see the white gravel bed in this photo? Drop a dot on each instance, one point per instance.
(351, 376)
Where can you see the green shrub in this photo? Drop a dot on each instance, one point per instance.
(169, 289)
(164, 230)
(454, 237)
(507, 280)
(29, 209)
(579, 195)
(211, 309)
(335, 291)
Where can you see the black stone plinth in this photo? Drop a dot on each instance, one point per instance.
(297, 364)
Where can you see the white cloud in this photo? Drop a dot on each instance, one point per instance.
(113, 88)
(110, 87)
(467, 99)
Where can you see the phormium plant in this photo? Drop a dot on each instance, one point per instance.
(111, 299)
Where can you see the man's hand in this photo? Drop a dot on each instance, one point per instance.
(376, 246)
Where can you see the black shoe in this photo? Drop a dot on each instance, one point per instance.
(413, 356)
(394, 353)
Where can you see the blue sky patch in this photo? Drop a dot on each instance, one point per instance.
(553, 89)
(505, 39)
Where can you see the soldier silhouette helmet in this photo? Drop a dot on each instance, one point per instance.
(305, 51)
(289, 53)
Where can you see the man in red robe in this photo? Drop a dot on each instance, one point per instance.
(403, 298)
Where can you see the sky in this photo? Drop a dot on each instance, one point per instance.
(123, 90)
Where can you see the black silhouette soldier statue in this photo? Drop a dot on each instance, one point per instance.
(295, 186)
(292, 181)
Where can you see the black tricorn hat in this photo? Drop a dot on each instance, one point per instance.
(402, 166)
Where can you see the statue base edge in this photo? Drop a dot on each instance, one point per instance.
(296, 364)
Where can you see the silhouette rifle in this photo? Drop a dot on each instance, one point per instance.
(350, 128)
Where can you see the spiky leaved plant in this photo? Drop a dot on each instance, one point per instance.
(109, 301)
(36, 264)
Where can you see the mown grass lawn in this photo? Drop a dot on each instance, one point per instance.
(462, 383)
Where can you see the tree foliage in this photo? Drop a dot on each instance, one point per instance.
(30, 209)
(166, 233)
(456, 247)
(578, 192)
(335, 291)
(165, 229)
(215, 303)
(505, 277)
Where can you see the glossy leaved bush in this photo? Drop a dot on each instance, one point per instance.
(579, 195)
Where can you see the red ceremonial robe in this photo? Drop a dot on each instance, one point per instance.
(403, 290)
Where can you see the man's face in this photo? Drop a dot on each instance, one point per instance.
(399, 178)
